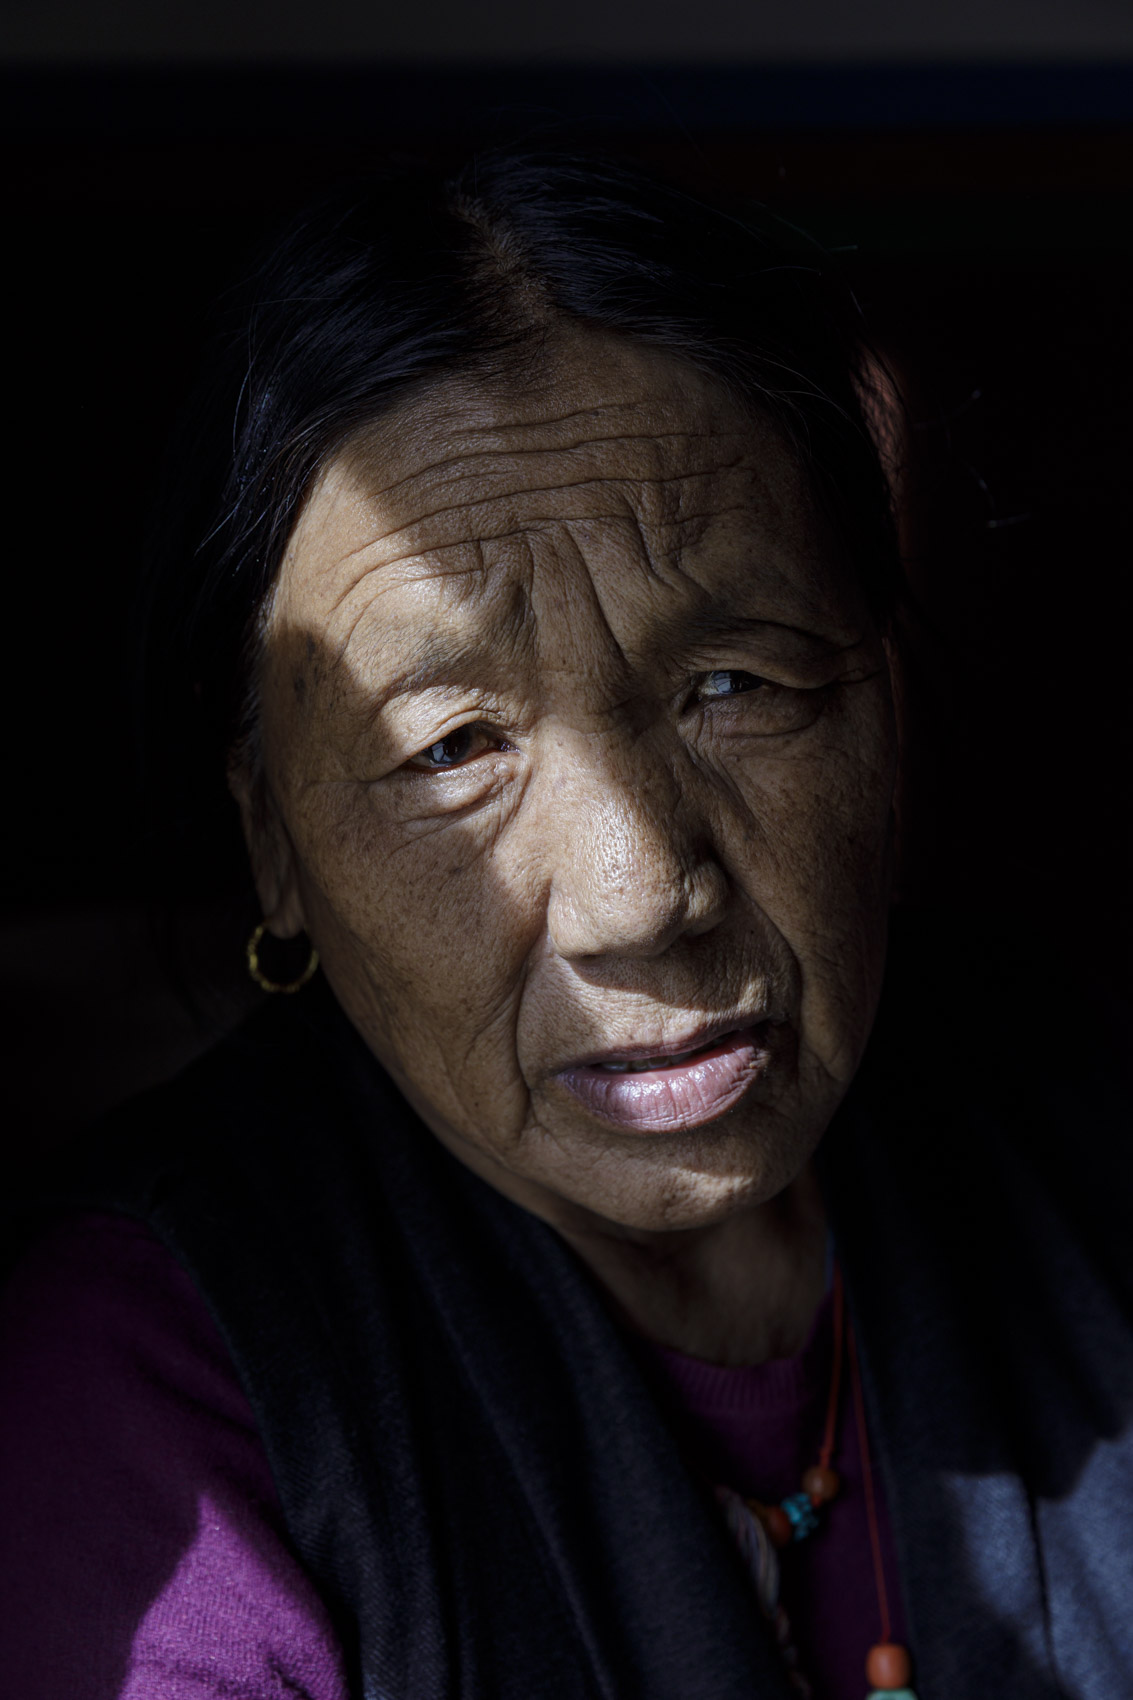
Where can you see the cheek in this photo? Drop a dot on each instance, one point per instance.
(425, 938)
(820, 825)
(819, 809)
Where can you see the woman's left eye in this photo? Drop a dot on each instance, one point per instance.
(458, 748)
(727, 682)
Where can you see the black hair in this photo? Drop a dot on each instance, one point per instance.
(403, 282)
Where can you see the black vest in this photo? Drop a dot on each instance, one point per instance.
(470, 1464)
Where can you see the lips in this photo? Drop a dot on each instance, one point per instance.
(668, 1090)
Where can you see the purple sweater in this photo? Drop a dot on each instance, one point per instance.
(142, 1548)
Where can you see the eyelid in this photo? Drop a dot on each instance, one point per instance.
(729, 672)
(491, 742)
(695, 700)
(418, 760)
(794, 668)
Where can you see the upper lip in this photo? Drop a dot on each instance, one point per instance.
(696, 1040)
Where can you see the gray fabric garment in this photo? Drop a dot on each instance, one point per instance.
(981, 1184)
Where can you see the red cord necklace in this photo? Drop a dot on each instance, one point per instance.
(888, 1667)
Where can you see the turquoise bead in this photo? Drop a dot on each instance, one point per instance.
(804, 1517)
(891, 1694)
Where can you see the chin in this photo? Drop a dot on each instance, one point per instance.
(689, 1181)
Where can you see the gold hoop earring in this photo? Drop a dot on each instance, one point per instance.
(261, 979)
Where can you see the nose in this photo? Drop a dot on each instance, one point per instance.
(632, 869)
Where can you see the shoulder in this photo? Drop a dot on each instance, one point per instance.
(140, 1535)
(96, 1297)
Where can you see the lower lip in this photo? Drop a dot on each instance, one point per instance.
(665, 1100)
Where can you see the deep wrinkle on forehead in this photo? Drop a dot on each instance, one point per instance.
(456, 541)
(441, 525)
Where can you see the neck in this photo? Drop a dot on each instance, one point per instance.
(738, 1292)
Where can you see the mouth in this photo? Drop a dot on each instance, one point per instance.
(684, 1085)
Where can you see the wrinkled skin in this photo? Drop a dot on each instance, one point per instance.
(622, 852)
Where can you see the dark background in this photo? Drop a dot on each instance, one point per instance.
(982, 207)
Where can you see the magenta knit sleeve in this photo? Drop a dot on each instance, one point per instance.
(142, 1552)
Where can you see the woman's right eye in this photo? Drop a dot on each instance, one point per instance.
(459, 747)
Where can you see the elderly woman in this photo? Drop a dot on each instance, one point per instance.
(522, 1303)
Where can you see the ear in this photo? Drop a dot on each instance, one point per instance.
(270, 850)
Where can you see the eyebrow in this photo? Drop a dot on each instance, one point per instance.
(706, 624)
(432, 661)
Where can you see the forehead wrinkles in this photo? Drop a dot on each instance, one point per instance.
(654, 480)
(511, 460)
(668, 489)
(535, 618)
(529, 605)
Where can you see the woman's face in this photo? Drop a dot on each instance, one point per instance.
(578, 758)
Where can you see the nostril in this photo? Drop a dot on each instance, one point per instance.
(595, 918)
(708, 897)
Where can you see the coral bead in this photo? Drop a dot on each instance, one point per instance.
(779, 1526)
(821, 1484)
(888, 1665)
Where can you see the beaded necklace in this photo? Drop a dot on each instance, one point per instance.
(760, 1529)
